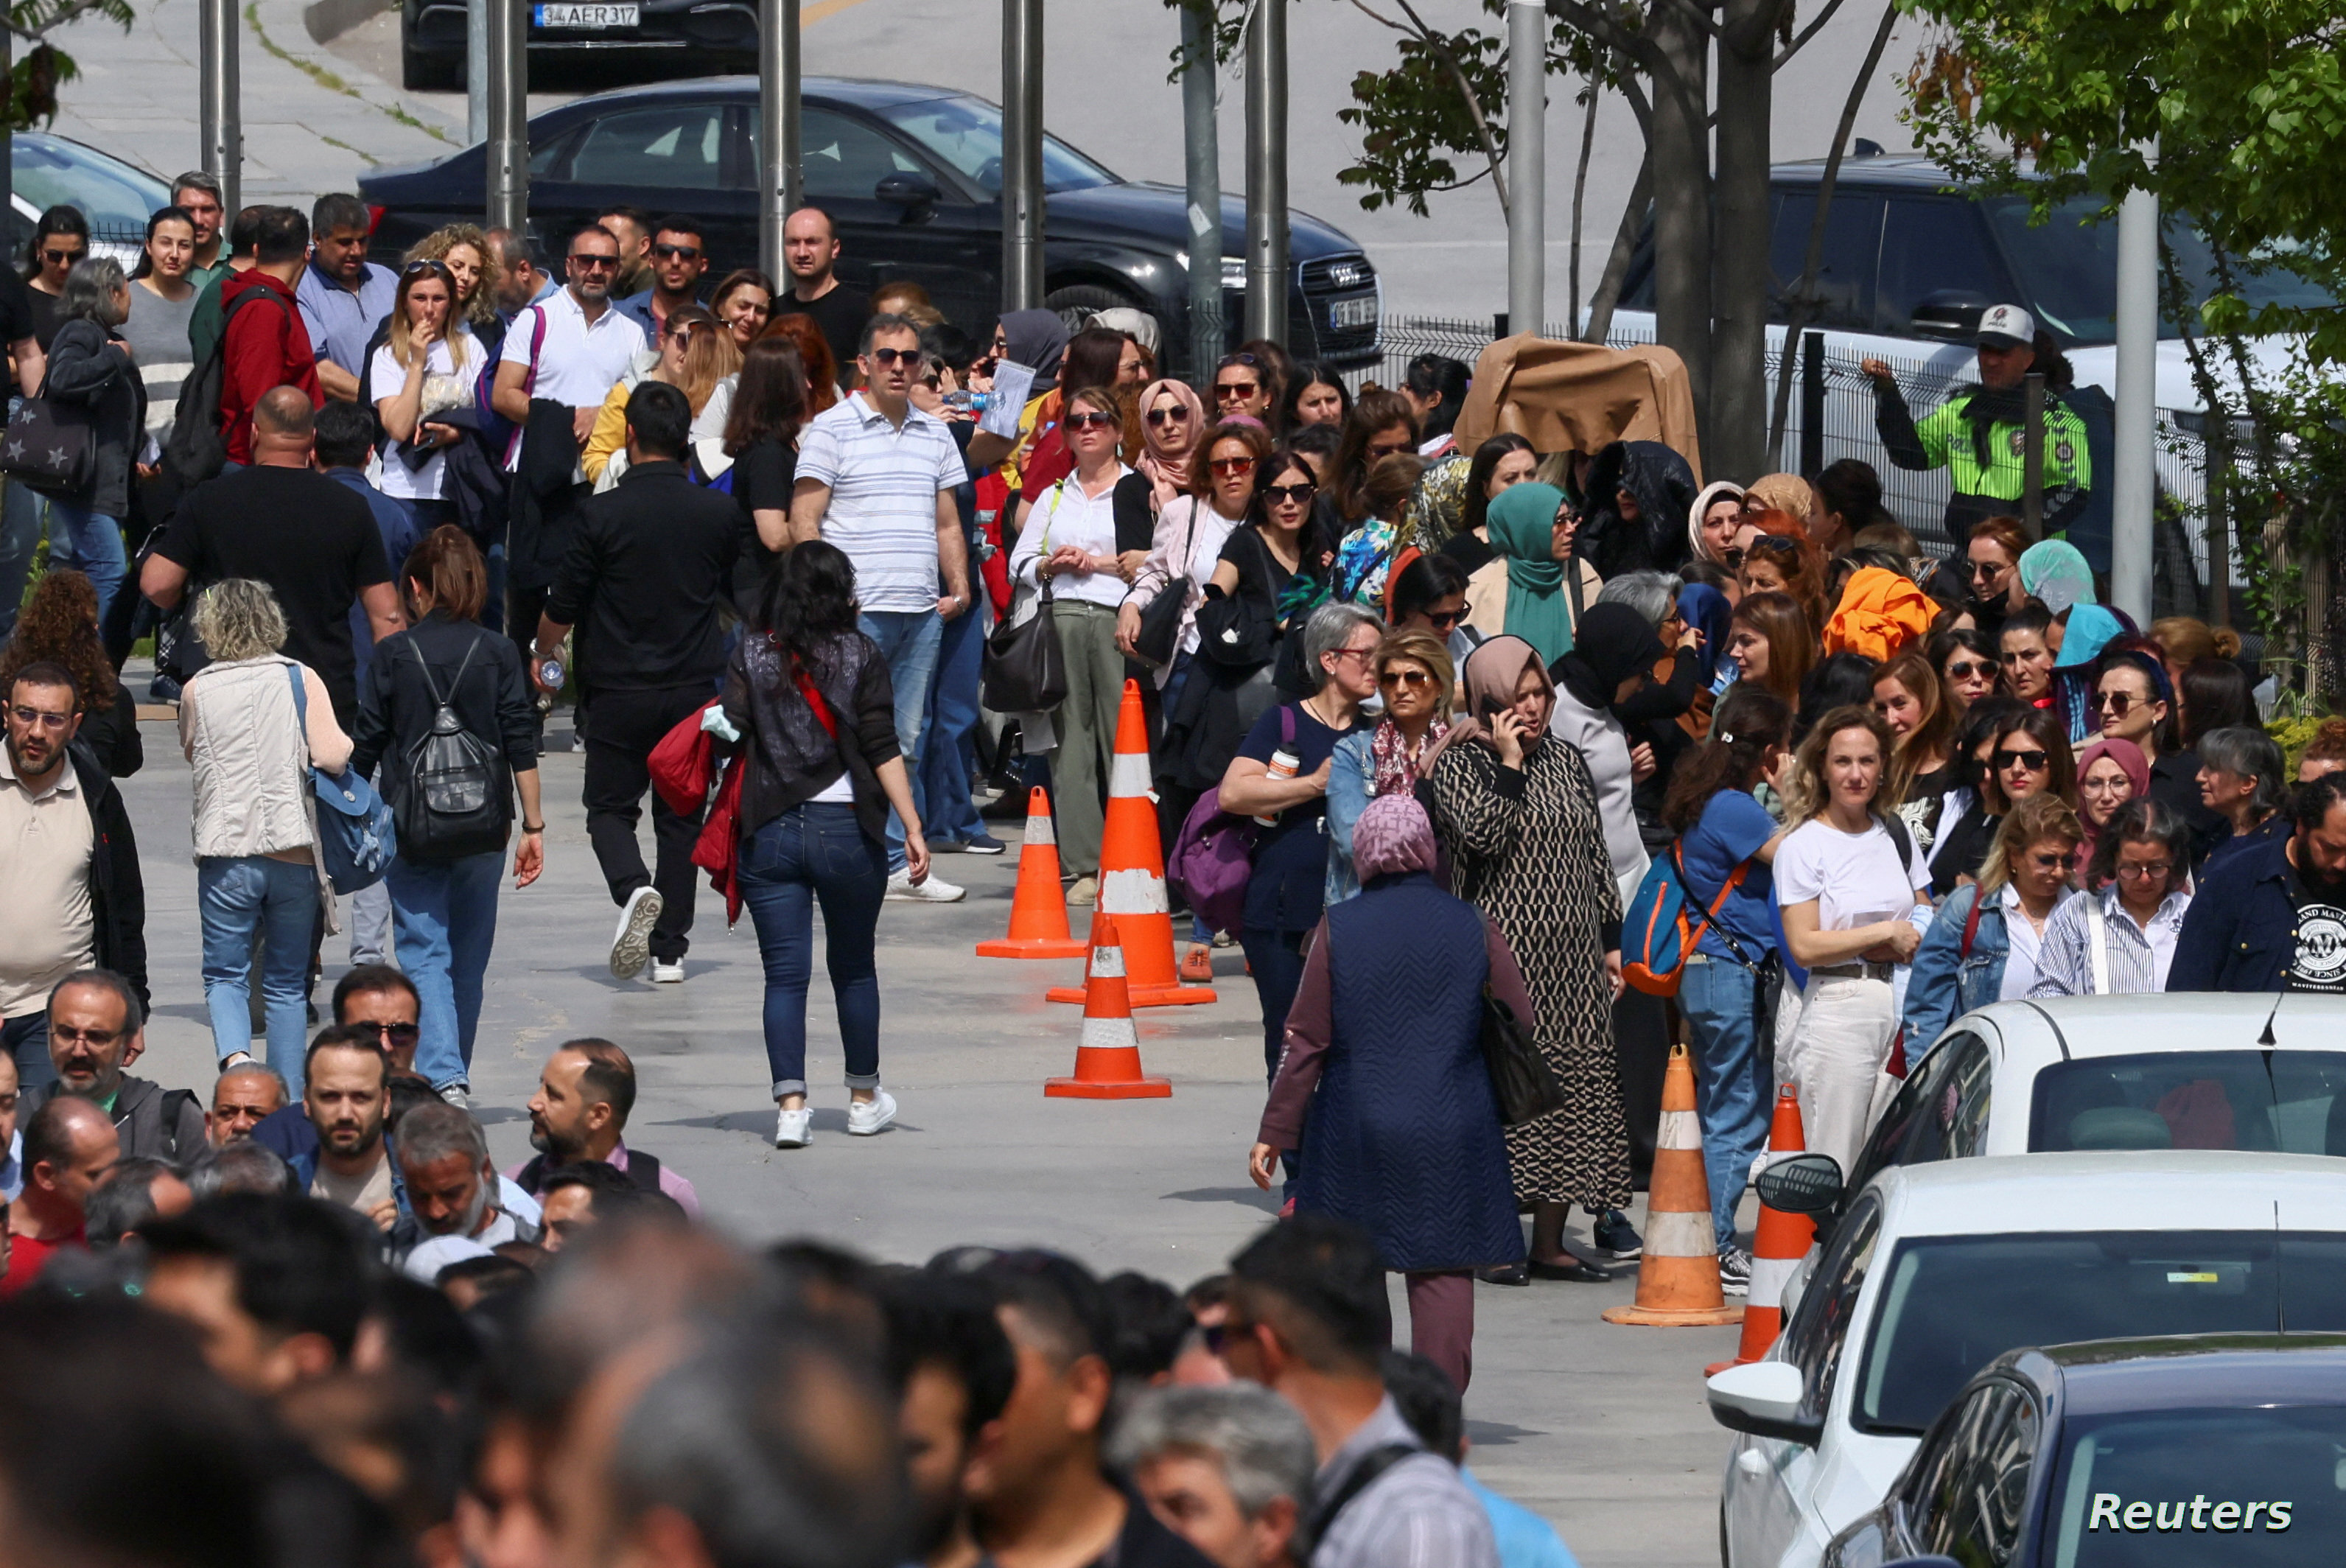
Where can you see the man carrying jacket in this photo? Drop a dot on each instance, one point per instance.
(2273, 918)
(98, 1027)
(68, 866)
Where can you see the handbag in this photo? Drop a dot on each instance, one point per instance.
(1158, 641)
(51, 446)
(1213, 858)
(356, 837)
(1024, 670)
(1521, 1079)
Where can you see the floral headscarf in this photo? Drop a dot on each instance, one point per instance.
(1392, 837)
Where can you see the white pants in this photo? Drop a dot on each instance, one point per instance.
(1834, 1062)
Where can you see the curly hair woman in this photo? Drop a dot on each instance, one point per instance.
(60, 625)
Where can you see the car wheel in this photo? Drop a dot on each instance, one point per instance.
(1078, 301)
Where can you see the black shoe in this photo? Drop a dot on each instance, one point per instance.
(1578, 1270)
(1503, 1274)
(1614, 1235)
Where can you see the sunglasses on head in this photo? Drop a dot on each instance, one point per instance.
(677, 252)
(2029, 761)
(1297, 494)
(1177, 415)
(426, 268)
(1090, 419)
(1230, 467)
(1774, 545)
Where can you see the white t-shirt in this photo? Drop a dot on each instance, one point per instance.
(580, 360)
(445, 386)
(1854, 877)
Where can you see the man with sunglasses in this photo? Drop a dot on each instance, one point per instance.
(343, 296)
(69, 874)
(678, 261)
(96, 1028)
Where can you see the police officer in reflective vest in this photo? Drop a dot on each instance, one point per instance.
(1978, 434)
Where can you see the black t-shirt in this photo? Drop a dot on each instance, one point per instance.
(2320, 961)
(1470, 553)
(763, 477)
(841, 314)
(1289, 884)
(48, 313)
(15, 309)
(311, 539)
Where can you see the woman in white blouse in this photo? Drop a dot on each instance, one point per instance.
(2119, 938)
(427, 365)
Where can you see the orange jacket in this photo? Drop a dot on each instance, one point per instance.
(1881, 612)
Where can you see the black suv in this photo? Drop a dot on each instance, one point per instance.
(913, 176)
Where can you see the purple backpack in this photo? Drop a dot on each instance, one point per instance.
(1214, 856)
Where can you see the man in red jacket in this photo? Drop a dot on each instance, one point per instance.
(266, 345)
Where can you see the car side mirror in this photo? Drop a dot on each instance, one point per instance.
(1802, 1183)
(1763, 1398)
(1951, 315)
(913, 193)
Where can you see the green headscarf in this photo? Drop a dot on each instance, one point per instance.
(1521, 524)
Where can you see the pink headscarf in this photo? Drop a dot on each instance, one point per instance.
(1393, 836)
(2126, 755)
(1166, 461)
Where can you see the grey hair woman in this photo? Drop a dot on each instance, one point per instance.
(2242, 779)
(1653, 594)
(250, 741)
(2118, 938)
(91, 369)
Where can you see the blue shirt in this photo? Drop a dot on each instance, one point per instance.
(1525, 1540)
(397, 526)
(1733, 828)
(341, 324)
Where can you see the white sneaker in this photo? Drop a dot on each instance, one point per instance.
(931, 889)
(668, 973)
(793, 1129)
(865, 1117)
(632, 947)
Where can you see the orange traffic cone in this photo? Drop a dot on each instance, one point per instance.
(1132, 873)
(1107, 1058)
(1779, 1244)
(1038, 910)
(1677, 1282)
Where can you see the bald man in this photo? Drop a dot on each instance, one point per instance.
(69, 1146)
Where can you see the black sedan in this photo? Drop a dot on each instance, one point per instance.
(913, 174)
(706, 35)
(2124, 1453)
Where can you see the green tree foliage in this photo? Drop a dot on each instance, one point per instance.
(1414, 120)
(36, 73)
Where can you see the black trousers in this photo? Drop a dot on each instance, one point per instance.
(623, 728)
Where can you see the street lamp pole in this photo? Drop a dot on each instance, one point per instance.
(218, 128)
(1022, 155)
(779, 186)
(476, 71)
(1526, 165)
(1266, 156)
(1202, 145)
(508, 114)
(2133, 486)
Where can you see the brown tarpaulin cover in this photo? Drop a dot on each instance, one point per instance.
(1568, 397)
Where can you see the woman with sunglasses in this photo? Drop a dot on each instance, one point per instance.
(694, 354)
(60, 240)
(427, 365)
(1172, 422)
(1429, 595)
(1317, 396)
(1992, 562)
(1413, 677)
(162, 303)
(1242, 389)
(1067, 540)
(1977, 808)
(744, 302)
(2131, 700)
(1536, 586)
(1985, 943)
(2118, 938)
(1967, 665)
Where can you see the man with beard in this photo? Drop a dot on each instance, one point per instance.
(68, 866)
(450, 1185)
(953, 1369)
(347, 1093)
(580, 1113)
(2273, 918)
(96, 1029)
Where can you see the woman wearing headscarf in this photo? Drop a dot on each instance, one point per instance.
(1172, 422)
(2110, 772)
(1382, 1083)
(1705, 610)
(1518, 812)
(1713, 521)
(1545, 585)
(1637, 492)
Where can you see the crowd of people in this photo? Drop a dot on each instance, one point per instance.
(1464, 708)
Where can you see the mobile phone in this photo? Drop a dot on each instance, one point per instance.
(1492, 707)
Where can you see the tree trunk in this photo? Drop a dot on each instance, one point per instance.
(1617, 263)
(1680, 156)
(1736, 439)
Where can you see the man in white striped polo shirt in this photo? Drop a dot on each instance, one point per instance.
(876, 478)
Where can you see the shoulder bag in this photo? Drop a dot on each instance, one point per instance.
(1024, 670)
(1521, 1079)
(1158, 641)
(51, 446)
(356, 837)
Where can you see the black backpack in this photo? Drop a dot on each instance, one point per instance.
(456, 803)
(196, 450)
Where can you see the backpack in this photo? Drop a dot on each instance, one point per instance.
(196, 449)
(455, 803)
(1656, 936)
(1214, 856)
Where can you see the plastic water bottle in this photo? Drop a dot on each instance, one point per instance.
(1283, 764)
(551, 671)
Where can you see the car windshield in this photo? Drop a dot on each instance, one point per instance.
(1951, 1303)
(966, 133)
(2067, 267)
(2289, 1102)
(2240, 1487)
(116, 197)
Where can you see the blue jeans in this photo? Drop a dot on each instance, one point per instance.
(445, 919)
(950, 748)
(811, 854)
(1731, 1100)
(20, 536)
(27, 1040)
(91, 544)
(235, 897)
(909, 641)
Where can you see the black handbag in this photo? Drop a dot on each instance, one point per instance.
(1024, 670)
(1158, 641)
(1521, 1079)
(51, 446)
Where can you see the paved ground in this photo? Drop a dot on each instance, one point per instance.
(1601, 1428)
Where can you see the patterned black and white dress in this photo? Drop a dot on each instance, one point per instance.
(1527, 849)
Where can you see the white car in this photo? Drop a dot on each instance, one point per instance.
(1937, 1269)
(2194, 1070)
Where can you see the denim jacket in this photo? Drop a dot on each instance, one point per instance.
(1946, 983)
(1351, 785)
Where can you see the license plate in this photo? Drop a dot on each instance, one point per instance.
(581, 17)
(1359, 312)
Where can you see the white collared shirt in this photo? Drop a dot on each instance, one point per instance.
(580, 360)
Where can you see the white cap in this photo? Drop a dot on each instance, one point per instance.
(424, 1263)
(2006, 327)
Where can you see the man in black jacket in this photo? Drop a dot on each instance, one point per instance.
(96, 1028)
(68, 866)
(641, 581)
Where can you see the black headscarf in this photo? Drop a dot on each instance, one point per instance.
(1612, 643)
(1038, 340)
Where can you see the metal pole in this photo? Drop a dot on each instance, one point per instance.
(1812, 403)
(2219, 450)
(2132, 487)
(2032, 456)
(781, 183)
(476, 71)
(1266, 156)
(1022, 155)
(218, 128)
(1202, 147)
(1526, 165)
(508, 114)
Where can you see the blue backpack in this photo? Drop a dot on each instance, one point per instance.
(1658, 933)
(356, 836)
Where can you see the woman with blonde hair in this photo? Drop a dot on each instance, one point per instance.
(428, 365)
(464, 249)
(1414, 674)
(252, 724)
(1984, 943)
(693, 355)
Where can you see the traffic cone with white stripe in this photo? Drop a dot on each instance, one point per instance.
(1777, 1247)
(1039, 908)
(1107, 1058)
(1678, 1279)
(1132, 874)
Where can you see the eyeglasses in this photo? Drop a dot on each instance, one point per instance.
(397, 1034)
(1971, 670)
(677, 252)
(72, 1036)
(1232, 467)
(1177, 415)
(593, 263)
(1383, 450)
(1408, 678)
(1296, 494)
(2135, 874)
(1090, 419)
(884, 358)
(1351, 653)
(1984, 568)
(1229, 391)
(2115, 702)
(28, 717)
(2030, 761)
